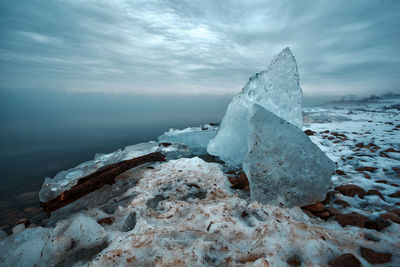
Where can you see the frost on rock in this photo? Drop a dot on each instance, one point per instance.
(197, 138)
(277, 89)
(283, 165)
(64, 180)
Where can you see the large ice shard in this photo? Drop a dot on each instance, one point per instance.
(283, 165)
(277, 89)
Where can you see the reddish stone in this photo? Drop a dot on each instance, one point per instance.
(327, 131)
(397, 211)
(378, 224)
(376, 193)
(309, 213)
(325, 215)
(395, 194)
(375, 257)
(361, 145)
(367, 168)
(332, 211)
(366, 175)
(354, 219)
(316, 207)
(309, 132)
(391, 216)
(165, 144)
(340, 172)
(351, 190)
(381, 181)
(106, 220)
(345, 260)
(343, 203)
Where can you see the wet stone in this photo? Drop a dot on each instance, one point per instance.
(130, 222)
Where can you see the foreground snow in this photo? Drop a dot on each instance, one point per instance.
(183, 212)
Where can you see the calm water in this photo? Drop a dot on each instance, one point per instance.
(45, 132)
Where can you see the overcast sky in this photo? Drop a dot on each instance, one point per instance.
(190, 47)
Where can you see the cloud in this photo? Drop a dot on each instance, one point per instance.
(161, 47)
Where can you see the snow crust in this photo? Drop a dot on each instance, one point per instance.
(277, 89)
(283, 165)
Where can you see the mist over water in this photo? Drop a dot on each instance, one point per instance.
(44, 132)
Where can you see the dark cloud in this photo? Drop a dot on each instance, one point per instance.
(152, 47)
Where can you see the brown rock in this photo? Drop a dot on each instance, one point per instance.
(391, 216)
(106, 221)
(376, 193)
(23, 221)
(327, 131)
(375, 257)
(345, 260)
(165, 144)
(360, 145)
(309, 132)
(354, 219)
(316, 207)
(397, 211)
(367, 168)
(395, 194)
(294, 261)
(350, 190)
(332, 211)
(325, 215)
(366, 175)
(378, 224)
(343, 203)
(340, 172)
(309, 213)
(396, 170)
(381, 181)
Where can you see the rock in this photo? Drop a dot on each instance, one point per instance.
(332, 211)
(375, 193)
(340, 172)
(29, 198)
(350, 190)
(353, 219)
(240, 183)
(396, 194)
(283, 165)
(32, 210)
(345, 260)
(316, 207)
(106, 221)
(378, 224)
(343, 203)
(397, 211)
(130, 222)
(325, 215)
(367, 169)
(309, 132)
(310, 214)
(276, 89)
(294, 261)
(3, 234)
(375, 257)
(391, 216)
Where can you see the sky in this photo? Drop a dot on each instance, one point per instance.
(197, 47)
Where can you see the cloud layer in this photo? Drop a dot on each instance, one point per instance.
(188, 47)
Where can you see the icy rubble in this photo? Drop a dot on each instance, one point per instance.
(183, 228)
(277, 89)
(64, 180)
(283, 165)
(197, 138)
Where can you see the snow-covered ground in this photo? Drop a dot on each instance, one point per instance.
(183, 212)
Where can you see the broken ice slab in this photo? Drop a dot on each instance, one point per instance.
(197, 138)
(276, 89)
(283, 165)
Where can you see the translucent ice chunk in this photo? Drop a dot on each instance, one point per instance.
(277, 89)
(283, 165)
